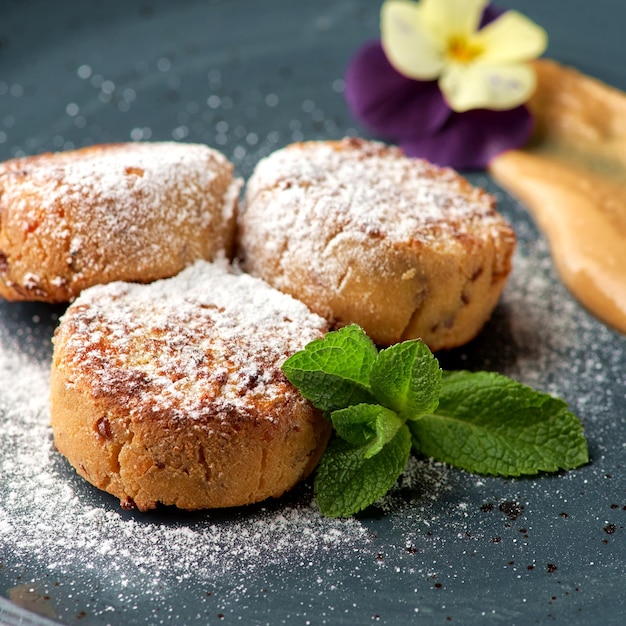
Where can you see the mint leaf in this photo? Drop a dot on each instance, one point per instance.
(490, 424)
(334, 372)
(406, 378)
(368, 425)
(347, 481)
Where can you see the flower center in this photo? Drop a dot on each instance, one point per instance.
(462, 50)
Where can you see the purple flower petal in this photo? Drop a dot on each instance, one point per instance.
(387, 102)
(490, 14)
(469, 140)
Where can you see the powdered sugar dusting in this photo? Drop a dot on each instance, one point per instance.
(60, 531)
(364, 187)
(78, 540)
(205, 340)
(135, 211)
(66, 533)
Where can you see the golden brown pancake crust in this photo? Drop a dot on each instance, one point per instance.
(173, 392)
(131, 211)
(362, 234)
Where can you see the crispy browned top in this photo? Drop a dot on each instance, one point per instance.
(207, 344)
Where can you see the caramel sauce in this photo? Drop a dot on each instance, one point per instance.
(572, 178)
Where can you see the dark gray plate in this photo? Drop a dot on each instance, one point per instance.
(444, 546)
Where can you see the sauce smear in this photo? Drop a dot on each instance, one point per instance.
(572, 177)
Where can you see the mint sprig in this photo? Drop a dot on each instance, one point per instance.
(334, 372)
(406, 378)
(383, 404)
(369, 426)
(489, 424)
(348, 481)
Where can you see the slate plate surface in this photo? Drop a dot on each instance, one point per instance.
(444, 547)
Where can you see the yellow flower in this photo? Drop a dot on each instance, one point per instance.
(484, 68)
